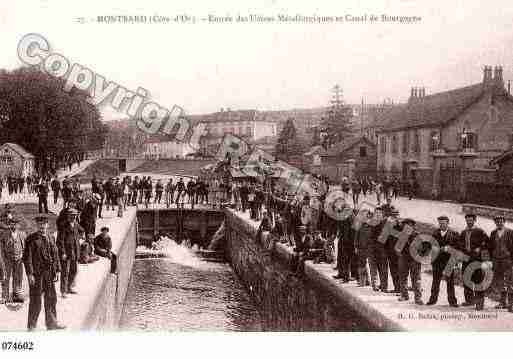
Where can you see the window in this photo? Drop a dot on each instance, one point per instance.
(394, 145)
(406, 141)
(6, 159)
(468, 141)
(383, 144)
(435, 140)
(249, 131)
(416, 142)
(363, 151)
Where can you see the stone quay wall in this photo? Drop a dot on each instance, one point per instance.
(310, 301)
(105, 313)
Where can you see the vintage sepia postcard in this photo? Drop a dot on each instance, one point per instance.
(269, 166)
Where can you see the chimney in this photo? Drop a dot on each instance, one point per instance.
(487, 74)
(497, 76)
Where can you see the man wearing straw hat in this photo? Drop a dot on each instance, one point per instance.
(42, 267)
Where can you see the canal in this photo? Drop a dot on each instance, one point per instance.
(186, 290)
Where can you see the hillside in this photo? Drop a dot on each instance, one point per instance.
(173, 167)
(101, 169)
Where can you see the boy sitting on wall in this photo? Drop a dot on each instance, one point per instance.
(103, 248)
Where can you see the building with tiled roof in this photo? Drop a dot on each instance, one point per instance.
(355, 156)
(249, 125)
(432, 136)
(15, 160)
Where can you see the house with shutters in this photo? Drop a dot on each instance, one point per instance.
(448, 138)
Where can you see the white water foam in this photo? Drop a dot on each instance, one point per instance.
(183, 254)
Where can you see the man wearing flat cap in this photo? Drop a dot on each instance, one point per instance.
(42, 267)
(501, 247)
(68, 243)
(474, 243)
(392, 256)
(408, 265)
(12, 244)
(446, 239)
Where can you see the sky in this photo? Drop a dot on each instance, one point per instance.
(205, 66)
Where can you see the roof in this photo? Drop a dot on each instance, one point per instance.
(435, 110)
(230, 116)
(19, 150)
(502, 157)
(346, 145)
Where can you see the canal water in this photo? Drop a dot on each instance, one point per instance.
(185, 290)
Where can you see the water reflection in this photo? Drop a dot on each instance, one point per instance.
(185, 292)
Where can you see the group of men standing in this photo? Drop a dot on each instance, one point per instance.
(375, 244)
(47, 258)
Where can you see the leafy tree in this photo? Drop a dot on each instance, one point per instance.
(337, 124)
(124, 139)
(54, 125)
(288, 144)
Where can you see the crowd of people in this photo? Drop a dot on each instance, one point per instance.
(51, 257)
(17, 185)
(363, 256)
(301, 222)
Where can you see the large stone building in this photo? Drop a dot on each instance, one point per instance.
(449, 138)
(250, 125)
(15, 160)
(162, 147)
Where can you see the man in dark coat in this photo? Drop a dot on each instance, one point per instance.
(180, 188)
(474, 243)
(244, 193)
(56, 188)
(68, 244)
(134, 187)
(42, 194)
(410, 266)
(103, 248)
(191, 191)
(108, 189)
(392, 255)
(446, 238)
(89, 214)
(66, 191)
(501, 243)
(379, 254)
(346, 258)
(42, 266)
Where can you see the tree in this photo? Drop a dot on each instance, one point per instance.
(337, 124)
(288, 144)
(54, 125)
